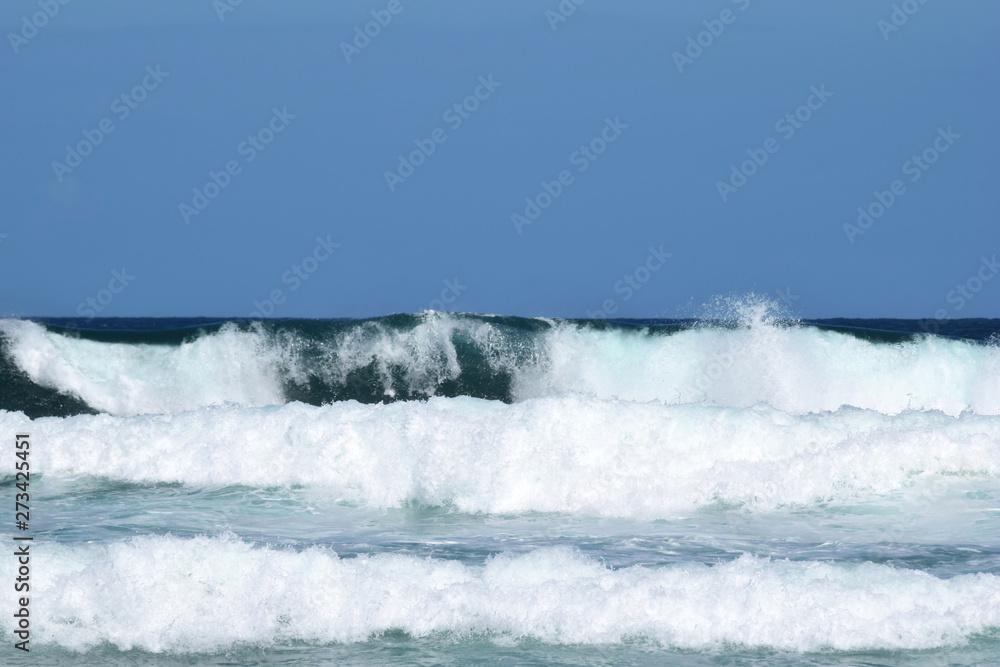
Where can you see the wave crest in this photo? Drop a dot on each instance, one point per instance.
(562, 454)
(737, 363)
(207, 594)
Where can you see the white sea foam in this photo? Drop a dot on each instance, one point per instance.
(167, 594)
(574, 454)
(795, 369)
(426, 355)
(128, 379)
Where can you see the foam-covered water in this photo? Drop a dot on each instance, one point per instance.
(439, 487)
(562, 454)
(794, 368)
(121, 378)
(205, 594)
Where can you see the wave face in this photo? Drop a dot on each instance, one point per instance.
(125, 378)
(204, 594)
(562, 454)
(754, 359)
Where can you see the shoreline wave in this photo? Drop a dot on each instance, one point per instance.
(207, 594)
(794, 367)
(575, 454)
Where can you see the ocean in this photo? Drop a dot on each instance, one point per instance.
(446, 488)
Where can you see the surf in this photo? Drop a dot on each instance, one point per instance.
(571, 454)
(750, 359)
(209, 594)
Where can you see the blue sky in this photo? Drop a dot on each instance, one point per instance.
(643, 125)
